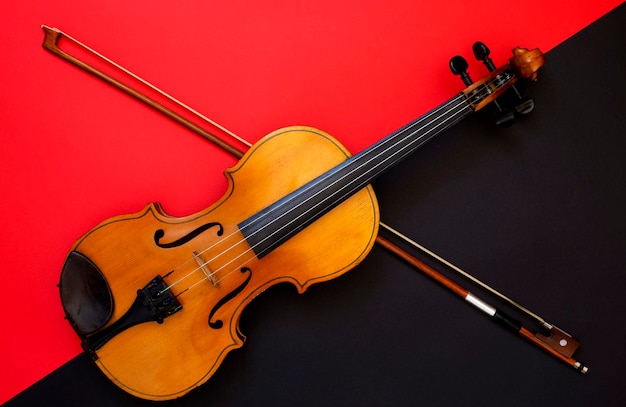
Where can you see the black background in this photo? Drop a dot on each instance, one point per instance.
(536, 210)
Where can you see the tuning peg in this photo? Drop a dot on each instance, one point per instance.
(524, 104)
(504, 117)
(481, 53)
(458, 66)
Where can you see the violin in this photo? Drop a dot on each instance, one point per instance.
(156, 299)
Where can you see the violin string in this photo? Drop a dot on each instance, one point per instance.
(294, 198)
(250, 249)
(450, 115)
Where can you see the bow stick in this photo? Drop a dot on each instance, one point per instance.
(557, 342)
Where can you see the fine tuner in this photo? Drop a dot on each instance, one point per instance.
(521, 104)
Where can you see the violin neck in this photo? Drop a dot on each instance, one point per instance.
(272, 226)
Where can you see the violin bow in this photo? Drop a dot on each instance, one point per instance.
(556, 342)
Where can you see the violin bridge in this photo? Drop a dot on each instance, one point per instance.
(204, 266)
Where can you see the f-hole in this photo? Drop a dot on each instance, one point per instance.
(219, 323)
(160, 233)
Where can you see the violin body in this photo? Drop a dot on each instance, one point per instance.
(162, 350)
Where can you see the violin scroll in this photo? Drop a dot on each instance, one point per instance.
(527, 62)
(523, 65)
(458, 66)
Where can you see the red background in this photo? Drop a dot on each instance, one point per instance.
(76, 152)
